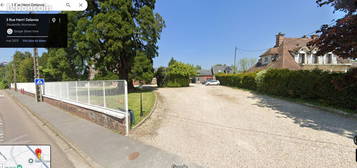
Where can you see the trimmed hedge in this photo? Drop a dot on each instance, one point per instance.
(243, 80)
(171, 80)
(336, 89)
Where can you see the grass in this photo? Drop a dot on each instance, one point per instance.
(134, 104)
(116, 101)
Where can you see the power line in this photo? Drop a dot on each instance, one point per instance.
(255, 50)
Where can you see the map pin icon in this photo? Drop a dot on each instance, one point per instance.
(38, 152)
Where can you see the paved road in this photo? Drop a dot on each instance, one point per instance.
(225, 127)
(17, 127)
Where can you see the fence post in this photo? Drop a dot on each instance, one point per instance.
(104, 101)
(126, 108)
(76, 91)
(88, 93)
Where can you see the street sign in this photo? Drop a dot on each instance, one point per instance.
(40, 81)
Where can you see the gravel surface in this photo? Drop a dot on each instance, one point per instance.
(218, 126)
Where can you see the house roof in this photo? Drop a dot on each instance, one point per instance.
(284, 59)
(204, 72)
(221, 68)
(270, 51)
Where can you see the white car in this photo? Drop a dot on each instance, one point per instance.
(212, 82)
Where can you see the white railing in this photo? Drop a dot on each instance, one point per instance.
(109, 97)
(104, 96)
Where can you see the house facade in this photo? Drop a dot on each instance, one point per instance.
(203, 75)
(294, 54)
(221, 69)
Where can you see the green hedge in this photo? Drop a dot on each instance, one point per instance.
(336, 89)
(176, 81)
(243, 80)
(165, 80)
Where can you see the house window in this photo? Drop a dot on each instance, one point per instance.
(266, 59)
(329, 58)
(302, 58)
(316, 59)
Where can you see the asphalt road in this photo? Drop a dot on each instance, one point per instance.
(218, 126)
(17, 127)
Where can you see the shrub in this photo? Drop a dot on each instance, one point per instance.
(176, 75)
(244, 80)
(337, 89)
(3, 85)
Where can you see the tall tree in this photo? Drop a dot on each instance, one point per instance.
(142, 69)
(114, 35)
(340, 38)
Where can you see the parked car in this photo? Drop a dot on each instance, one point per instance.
(212, 82)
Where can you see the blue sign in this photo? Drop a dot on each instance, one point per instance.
(40, 81)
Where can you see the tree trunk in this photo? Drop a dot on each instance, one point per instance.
(124, 75)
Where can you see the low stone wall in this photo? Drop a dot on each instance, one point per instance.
(333, 68)
(99, 118)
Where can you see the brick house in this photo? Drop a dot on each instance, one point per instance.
(203, 75)
(294, 54)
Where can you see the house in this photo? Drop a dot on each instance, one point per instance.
(221, 69)
(294, 54)
(3, 64)
(203, 75)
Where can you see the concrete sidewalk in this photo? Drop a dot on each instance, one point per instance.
(98, 144)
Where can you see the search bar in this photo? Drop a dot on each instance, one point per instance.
(43, 5)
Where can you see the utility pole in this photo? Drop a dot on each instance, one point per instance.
(235, 60)
(38, 95)
(14, 70)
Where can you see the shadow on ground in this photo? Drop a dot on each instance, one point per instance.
(310, 117)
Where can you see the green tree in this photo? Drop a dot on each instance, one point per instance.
(25, 70)
(172, 61)
(57, 66)
(142, 69)
(182, 69)
(246, 63)
(116, 31)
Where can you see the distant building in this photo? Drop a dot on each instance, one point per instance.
(294, 54)
(3, 63)
(221, 69)
(203, 75)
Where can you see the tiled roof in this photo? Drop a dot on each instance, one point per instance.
(270, 51)
(284, 59)
(204, 72)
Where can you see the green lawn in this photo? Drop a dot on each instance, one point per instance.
(148, 104)
(116, 101)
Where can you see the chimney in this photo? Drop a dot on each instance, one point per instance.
(314, 37)
(279, 39)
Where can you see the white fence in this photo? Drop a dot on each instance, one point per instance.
(109, 97)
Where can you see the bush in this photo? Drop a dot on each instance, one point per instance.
(336, 89)
(244, 80)
(3, 85)
(176, 75)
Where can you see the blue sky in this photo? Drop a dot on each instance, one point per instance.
(205, 32)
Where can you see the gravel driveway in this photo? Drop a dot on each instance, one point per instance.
(220, 127)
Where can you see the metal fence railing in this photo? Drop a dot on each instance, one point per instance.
(107, 96)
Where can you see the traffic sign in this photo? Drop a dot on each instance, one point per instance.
(40, 81)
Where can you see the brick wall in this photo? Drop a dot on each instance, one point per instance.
(99, 118)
